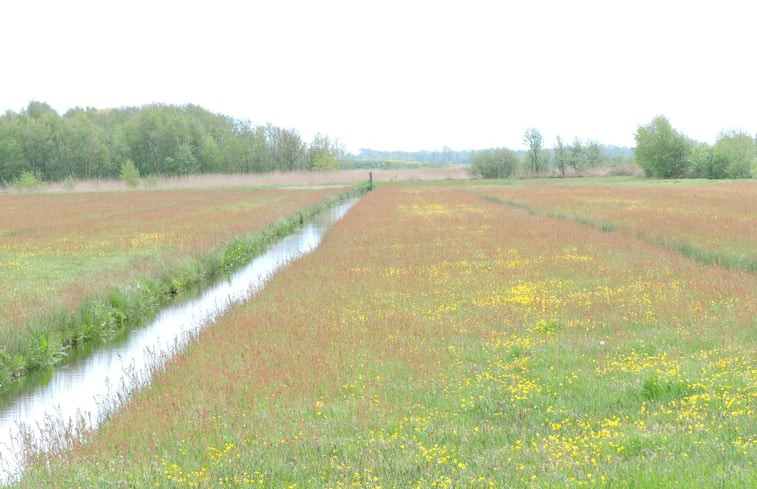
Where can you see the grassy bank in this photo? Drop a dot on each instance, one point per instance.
(46, 338)
(436, 339)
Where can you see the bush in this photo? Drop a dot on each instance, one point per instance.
(494, 163)
(129, 173)
(27, 181)
(737, 152)
(662, 151)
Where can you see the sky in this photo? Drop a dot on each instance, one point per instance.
(397, 75)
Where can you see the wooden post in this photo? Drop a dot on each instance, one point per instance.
(370, 180)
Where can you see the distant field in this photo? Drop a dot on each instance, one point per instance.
(710, 222)
(441, 339)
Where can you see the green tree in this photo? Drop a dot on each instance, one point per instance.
(704, 164)
(494, 163)
(40, 139)
(576, 156)
(12, 158)
(322, 154)
(593, 154)
(736, 152)
(288, 150)
(81, 146)
(129, 173)
(661, 151)
(560, 155)
(535, 156)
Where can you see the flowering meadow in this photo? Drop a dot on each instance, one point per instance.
(439, 338)
(59, 251)
(709, 222)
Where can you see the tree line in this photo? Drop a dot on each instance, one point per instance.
(562, 159)
(446, 155)
(661, 152)
(664, 152)
(156, 139)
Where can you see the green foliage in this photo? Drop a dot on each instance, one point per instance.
(662, 151)
(446, 155)
(129, 173)
(560, 156)
(737, 151)
(322, 154)
(494, 163)
(703, 164)
(536, 157)
(50, 336)
(159, 139)
(732, 156)
(26, 182)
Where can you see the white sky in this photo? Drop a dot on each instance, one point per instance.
(389, 74)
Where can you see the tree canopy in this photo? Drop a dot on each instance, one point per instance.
(157, 139)
(662, 151)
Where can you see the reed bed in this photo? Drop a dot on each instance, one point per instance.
(436, 339)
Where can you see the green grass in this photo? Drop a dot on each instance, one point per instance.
(52, 332)
(436, 339)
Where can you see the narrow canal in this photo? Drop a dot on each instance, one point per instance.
(87, 391)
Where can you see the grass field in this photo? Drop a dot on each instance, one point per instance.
(709, 222)
(60, 252)
(441, 339)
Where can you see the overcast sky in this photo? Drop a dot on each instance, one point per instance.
(405, 74)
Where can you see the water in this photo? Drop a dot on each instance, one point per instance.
(88, 390)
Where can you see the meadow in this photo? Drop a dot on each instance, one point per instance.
(709, 222)
(77, 267)
(440, 337)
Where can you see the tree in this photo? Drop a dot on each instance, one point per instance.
(736, 152)
(12, 159)
(560, 156)
(129, 174)
(41, 127)
(662, 151)
(287, 149)
(576, 158)
(82, 151)
(704, 164)
(536, 156)
(494, 163)
(322, 154)
(592, 154)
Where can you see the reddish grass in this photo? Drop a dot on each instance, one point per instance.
(717, 217)
(392, 321)
(57, 248)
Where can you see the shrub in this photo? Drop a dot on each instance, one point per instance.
(662, 151)
(494, 163)
(27, 181)
(129, 173)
